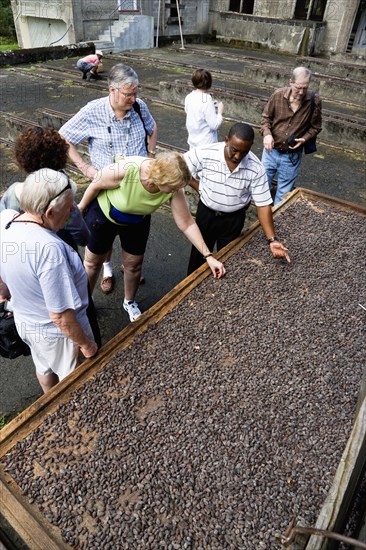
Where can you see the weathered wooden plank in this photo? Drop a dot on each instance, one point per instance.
(26, 519)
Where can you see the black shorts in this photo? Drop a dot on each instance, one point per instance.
(133, 236)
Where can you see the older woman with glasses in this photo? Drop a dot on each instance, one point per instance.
(45, 277)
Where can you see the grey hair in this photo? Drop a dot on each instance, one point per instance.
(122, 75)
(300, 72)
(40, 189)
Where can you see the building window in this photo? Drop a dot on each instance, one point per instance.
(310, 9)
(301, 9)
(127, 5)
(317, 10)
(242, 6)
(172, 12)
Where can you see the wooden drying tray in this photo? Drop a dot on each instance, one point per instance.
(28, 521)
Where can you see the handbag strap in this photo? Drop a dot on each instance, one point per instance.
(312, 103)
(136, 107)
(4, 313)
(312, 107)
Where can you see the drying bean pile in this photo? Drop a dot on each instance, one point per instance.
(227, 417)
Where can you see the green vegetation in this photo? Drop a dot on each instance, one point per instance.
(9, 46)
(3, 421)
(179, 70)
(8, 38)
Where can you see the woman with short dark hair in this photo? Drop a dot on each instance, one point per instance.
(202, 120)
(38, 148)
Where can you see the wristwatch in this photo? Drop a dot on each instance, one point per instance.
(271, 240)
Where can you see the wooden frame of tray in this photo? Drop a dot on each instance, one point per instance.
(34, 528)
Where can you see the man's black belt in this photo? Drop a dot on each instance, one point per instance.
(218, 213)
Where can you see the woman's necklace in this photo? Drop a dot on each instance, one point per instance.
(15, 220)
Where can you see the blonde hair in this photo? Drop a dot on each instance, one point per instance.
(171, 169)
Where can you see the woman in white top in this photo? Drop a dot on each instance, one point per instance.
(202, 120)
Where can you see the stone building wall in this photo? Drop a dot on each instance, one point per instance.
(41, 23)
(96, 17)
(339, 17)
(194, 16)
(272, 25)
(283, 35)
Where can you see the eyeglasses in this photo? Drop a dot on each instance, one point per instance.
(68, 186)
(129, 95)
(299, 88)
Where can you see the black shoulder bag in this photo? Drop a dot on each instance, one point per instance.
(137, 108)
(310, 146)
(11, 344)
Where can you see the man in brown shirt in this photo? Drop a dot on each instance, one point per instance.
(290, 118)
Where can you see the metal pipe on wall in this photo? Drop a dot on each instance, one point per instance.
(180, 25)
(157, 26)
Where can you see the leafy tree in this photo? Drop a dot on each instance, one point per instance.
(7, 20)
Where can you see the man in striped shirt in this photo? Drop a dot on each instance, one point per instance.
(228, 176)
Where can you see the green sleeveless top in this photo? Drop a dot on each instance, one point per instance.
(131, 197)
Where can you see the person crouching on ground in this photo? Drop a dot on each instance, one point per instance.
(120, 201)
(45, 277)
(90, 64)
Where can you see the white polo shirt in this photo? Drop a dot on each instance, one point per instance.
(223, 190)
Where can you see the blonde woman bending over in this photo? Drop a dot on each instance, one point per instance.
(121, 199)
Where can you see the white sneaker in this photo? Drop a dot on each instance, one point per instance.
(132, 309)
